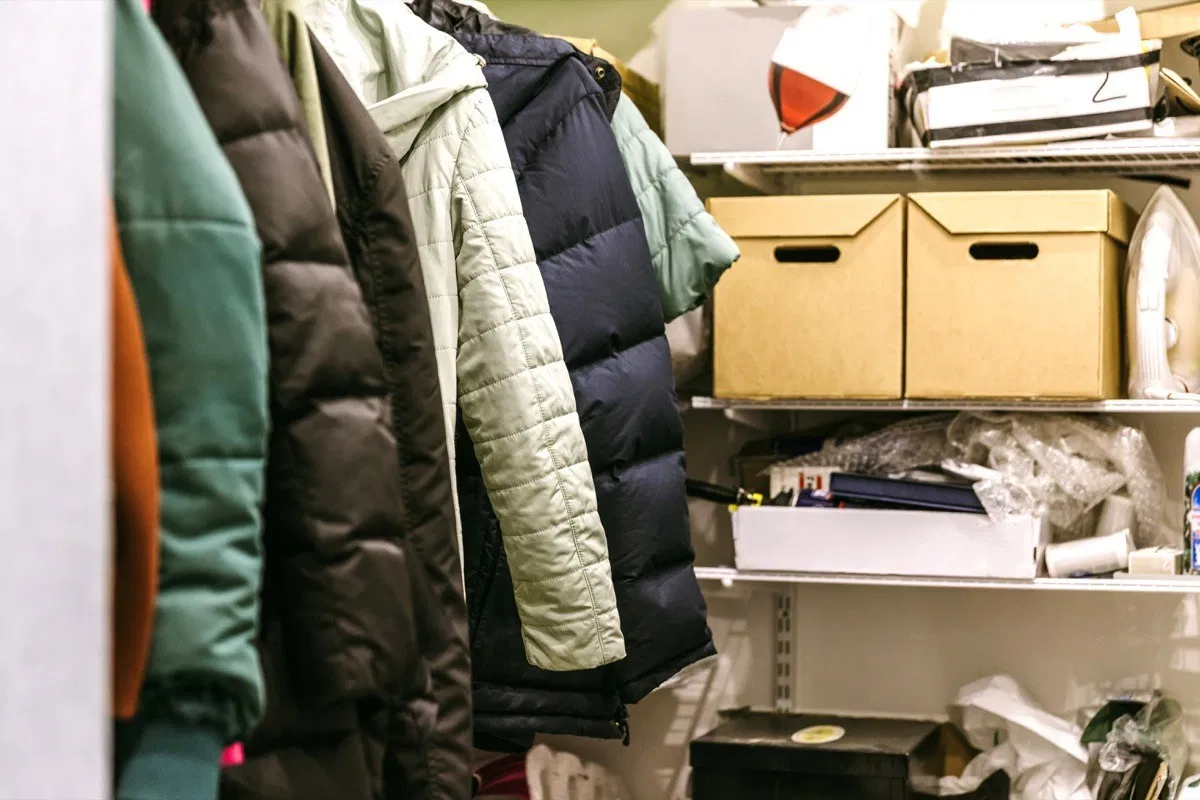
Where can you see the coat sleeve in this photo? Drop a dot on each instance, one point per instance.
(339, 569)
(285, 21)
(193, 259)
(135, 493)
(518, 404)
(690, 250)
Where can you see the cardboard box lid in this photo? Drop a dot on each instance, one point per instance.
(803, 216)
(1067, 211)
(1175, 19)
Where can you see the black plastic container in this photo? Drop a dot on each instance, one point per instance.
(753, 755)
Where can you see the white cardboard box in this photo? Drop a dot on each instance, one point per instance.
(973, 105)
(859, 541)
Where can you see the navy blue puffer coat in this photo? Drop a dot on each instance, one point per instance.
(554, 105)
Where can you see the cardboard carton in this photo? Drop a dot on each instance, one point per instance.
(815, 307)
(1015, 294)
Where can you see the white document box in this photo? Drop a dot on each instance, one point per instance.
(886, 542)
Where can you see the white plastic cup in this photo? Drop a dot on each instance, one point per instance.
(1116, 515)
(1095, 556)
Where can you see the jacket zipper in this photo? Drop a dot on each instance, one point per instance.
(621, 720)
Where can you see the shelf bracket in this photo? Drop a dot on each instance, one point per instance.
(753, 178)
(785, 648)
(758, 420)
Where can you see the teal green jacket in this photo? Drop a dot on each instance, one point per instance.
(690, 250)
(194, 260)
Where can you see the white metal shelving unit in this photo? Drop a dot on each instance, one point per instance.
(1083, 407)
(805, 623)
(785, 647)
(1180, 585)
(775, 171)
(1115, 155)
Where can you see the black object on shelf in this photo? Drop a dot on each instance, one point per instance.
(717, 493)
(904, 493)
(753, 754)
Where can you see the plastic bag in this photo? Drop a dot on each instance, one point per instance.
(899, 447)
(1063, 467)
(1155, 733)
(1060, 466)
(556, 775)
(1040, 751)
(688, 338)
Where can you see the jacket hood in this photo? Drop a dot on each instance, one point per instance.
(467, 23)
(421, 69)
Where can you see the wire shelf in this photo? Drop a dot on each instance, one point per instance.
(1175, 585)
(1129, 156)
(1078, 407)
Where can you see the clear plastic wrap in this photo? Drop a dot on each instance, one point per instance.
(1059, 466)
(1157, 730)
(899, 447)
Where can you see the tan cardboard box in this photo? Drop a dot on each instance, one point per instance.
(1015, 294)
(815, 306)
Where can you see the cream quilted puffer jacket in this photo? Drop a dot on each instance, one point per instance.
(499, 354)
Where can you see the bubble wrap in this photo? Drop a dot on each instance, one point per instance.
(1060, 466)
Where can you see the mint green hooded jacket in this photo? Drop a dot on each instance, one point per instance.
(194, 261)
(690, 250)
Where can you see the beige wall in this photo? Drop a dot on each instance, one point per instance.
(621, 26)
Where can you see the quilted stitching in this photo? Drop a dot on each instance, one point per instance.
(476, 248)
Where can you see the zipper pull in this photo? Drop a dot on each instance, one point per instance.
(622, 723)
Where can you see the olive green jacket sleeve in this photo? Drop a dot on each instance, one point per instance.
(690, 250)
(286, 23)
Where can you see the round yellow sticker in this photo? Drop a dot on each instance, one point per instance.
(819, 734)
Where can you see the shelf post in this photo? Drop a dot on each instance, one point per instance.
(755, 179)
(785, 648)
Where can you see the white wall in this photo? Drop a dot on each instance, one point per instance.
(54, 502)
(623, 26)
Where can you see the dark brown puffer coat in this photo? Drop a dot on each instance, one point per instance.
(344, 603)
(372, 208)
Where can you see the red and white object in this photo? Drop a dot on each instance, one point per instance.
(784, 477)
(735, 76)
(813, 73)
(833, 71)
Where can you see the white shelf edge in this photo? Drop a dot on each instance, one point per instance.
(1130, 155)
(1086, 407)
(1181, 585)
